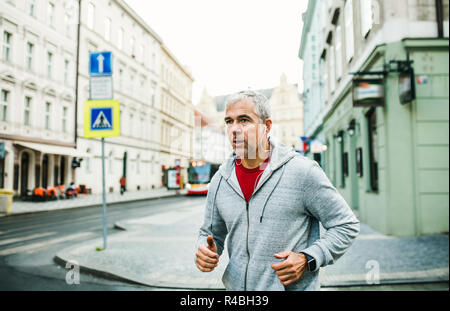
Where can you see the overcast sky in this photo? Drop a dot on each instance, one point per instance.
(230, 45)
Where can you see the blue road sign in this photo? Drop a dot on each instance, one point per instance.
(100, 64)
(101, 119)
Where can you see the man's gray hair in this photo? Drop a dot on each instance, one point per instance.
(262, 108)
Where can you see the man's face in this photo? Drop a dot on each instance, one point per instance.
(245, 130)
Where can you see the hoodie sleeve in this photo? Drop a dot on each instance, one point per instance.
(325, 203)
(213, 223)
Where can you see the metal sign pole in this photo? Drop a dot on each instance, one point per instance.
(101, 113)
(104, 193)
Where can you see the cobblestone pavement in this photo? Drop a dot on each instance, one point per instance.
(159, 251)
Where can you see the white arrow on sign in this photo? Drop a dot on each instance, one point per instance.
(100, 59)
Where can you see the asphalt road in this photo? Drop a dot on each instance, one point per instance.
(29, 242)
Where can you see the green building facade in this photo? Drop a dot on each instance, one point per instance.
(391, 163)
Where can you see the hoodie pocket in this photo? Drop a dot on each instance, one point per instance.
(234, 276)
(263, 278)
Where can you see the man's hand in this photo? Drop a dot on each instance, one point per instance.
(290, 270)
(207, 257)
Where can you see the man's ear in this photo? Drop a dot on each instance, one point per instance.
(268, 125)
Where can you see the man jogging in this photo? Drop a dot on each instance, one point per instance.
(267, 200)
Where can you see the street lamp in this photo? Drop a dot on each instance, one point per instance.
(351, 128)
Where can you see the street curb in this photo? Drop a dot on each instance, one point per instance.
(119, 226)
(92, 205)
(58, 259)
(106, 275)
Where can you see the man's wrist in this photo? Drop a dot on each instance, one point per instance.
(310, 262)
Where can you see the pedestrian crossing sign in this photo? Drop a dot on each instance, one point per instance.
(101, 118)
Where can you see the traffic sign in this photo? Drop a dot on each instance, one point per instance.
(101, 87)
(101, 118)
(100, 64)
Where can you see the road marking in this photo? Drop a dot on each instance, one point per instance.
(46, 243)
(164, 218)
(373, 237)
(28, 237)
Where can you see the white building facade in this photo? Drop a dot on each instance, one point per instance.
(136, 48)
(37, 93)
(154, 91)
(177, 114)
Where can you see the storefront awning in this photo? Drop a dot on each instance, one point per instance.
(52, 149)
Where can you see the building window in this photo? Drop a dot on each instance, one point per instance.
(153, 95)
(131, 84)
(91, 13)
(29, 60)
(349, 35)
(107, 29)
(4, 105)
(338, 49)
(345, 164)
(47, 115)
(142, 52)
(343, 156)
(64, 120)
(132, 41)
(110, 162)
(138, 164)
(153, 164)
(66, 71)
(26, 110)
(366, 17)
(332, 72)
(50, 13)
(153, 61)
(49, 64)
(131, 125)
(142, 128)
(373, 158)
(67, 24)
(324, 82)
(120, 39)
(88, 161)
(7, 46)
(120, 78)
(31, 5)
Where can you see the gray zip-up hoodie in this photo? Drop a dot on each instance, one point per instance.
(292, 196)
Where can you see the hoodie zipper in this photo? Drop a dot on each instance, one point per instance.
(248, 251)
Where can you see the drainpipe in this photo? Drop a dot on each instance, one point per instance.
(76, 73)
(440, 18)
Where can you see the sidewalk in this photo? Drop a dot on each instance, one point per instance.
(82, 200)
(159, 251)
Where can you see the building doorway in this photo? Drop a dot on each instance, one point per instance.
(2, 173)
(24, 166)
(45, 171)
(124, 165)
(62, 165)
